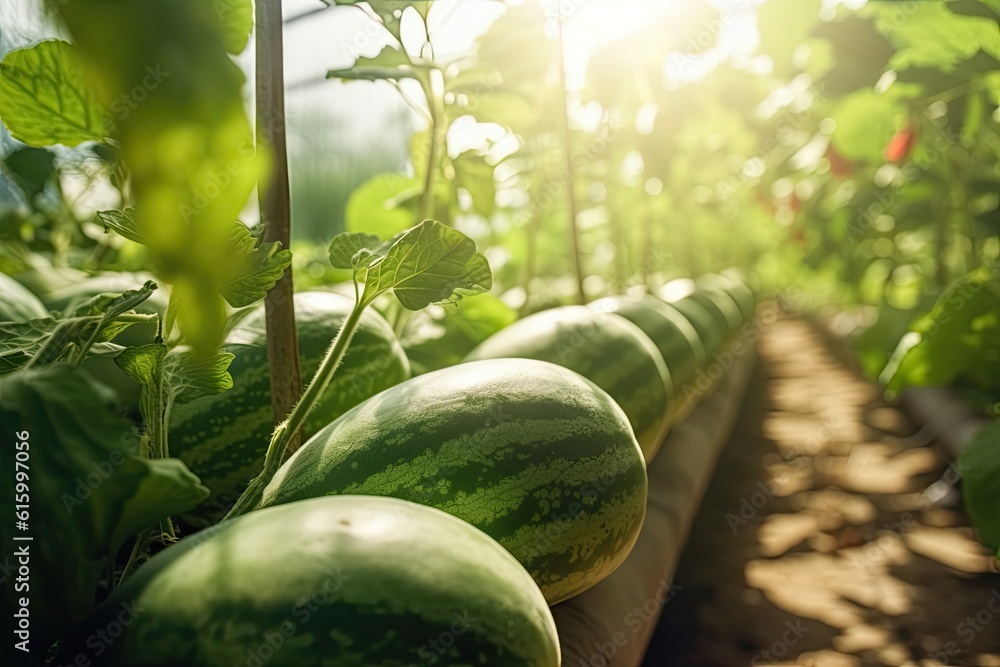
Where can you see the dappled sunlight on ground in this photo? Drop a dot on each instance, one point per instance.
(815, 544)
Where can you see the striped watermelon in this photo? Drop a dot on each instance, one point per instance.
(710, 330)
(330, 581)
(223, 438)
(606, 349)
(672, 334)
(534, 455)
(736, 289)
(722, 306)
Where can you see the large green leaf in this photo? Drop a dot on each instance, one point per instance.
(430, 263)
(31, 168)
(89, 489)
(927, 34)
(390, 12)
(958, 339)
(390, 64)
(45, 98)
(980, 466)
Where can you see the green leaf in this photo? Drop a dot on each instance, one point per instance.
(31, 168)
(980, 467)
(188, 377)
(958, 338)
(44, 341)
(390, 12)
(167, 488)
(122, 223)
(256, 267)
(927, 34)
(20, 341)
(45, 98)
(261, 267)
(430, 263)
(89, 489)
(390, 64)
(142, 364)
(236, 21)
(377, 205)
(353, 250)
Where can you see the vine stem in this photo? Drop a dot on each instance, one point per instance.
(287, 430)
(435, 103)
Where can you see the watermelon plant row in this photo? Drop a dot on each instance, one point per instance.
(537, 441)
(531, 441)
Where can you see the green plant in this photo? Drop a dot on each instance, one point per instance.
(427, 264)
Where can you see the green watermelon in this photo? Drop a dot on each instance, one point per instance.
(710, 331)
(17, 303)
(350, 581)
(722, 306)
(223, 438)
(606, 349)
(673, 335)
(532, 454)
(737, 290)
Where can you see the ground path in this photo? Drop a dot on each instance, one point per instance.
(815, 545)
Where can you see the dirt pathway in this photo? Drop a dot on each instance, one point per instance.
(815, 545)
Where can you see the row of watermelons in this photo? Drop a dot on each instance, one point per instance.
(429, 520)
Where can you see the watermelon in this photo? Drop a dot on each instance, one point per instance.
(673, 335)
(17, 303)
(737, 290)
(332, 581)
(710, 330)
(722, 306)
(223, 438)
(534, 455)
(606, 349)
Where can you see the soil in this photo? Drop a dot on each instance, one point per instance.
(816, 544)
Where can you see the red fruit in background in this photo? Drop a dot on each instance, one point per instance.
(902, 143)
(840, 166)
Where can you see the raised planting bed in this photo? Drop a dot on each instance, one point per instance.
(611, 624)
